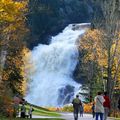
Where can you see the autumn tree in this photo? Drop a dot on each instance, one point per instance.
(93, 60)
(110, 24)
(96, 53)
(13, 32)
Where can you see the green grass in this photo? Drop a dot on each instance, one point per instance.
(1, 118)
(42, 119)
(117, 118)
(38, 111)
(43, 112)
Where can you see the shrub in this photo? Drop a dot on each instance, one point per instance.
(67, 108)
(6, 107)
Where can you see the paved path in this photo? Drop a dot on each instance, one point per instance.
(69, 116)
(35, 116)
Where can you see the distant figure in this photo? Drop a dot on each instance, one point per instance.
(30, 111)
(99, 109)
(23, 111)
(81, 110)
(93, 110)
(16, 102)
(76, 106)
(106, 105)
(119, 103)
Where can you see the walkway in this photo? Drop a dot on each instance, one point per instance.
(69, 116)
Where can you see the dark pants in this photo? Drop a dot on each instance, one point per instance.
(93, 113)
(97, 116)
(81, 113)
(76, 114)
(30, 115)
(22, 114)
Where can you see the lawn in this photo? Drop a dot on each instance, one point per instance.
(30, 119)
(43, 111)
(39, 111)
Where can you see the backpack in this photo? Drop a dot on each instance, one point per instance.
(76, 103)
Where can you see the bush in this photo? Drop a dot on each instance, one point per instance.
(87, 108)
(115, 113)
(68, 108)
(6, 108)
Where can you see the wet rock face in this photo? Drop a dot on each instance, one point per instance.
(65, 94)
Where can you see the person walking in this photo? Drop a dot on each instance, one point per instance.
(81, 110)
(106, 105)
(16, 101)
(30, 111)
(93, 110)
(76, 106)
(23, 111)
(99, 109)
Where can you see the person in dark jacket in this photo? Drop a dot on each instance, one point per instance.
(23, 111)
(93, 110)
(81, 110)
(76, 106)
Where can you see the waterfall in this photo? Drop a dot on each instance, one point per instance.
(52, 82)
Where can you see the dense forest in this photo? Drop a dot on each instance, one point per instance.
(99, 50)
(13, 32)
(24, 24)
(49, 17)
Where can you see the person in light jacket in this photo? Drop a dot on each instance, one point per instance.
(30, 111)
(99, 109)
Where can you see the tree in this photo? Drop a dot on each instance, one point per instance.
(48, 17)
(12, 41)
(94, 45)
(109, 24)
(93, 60)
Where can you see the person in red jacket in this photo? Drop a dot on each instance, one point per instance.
(106, 105)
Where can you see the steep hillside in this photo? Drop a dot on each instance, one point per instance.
(48, 17)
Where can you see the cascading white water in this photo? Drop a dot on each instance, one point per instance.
(52, 83)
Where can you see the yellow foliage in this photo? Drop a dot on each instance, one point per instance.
(88, 108)
(29, 67)
(92, 42)
(12, 31)
(10, 11)
(96, 43)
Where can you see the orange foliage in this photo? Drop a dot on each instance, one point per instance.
(88, 108)
(7, 106)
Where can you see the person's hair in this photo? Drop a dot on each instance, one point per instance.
(77, 96)
(105, 93)
(99, 93)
